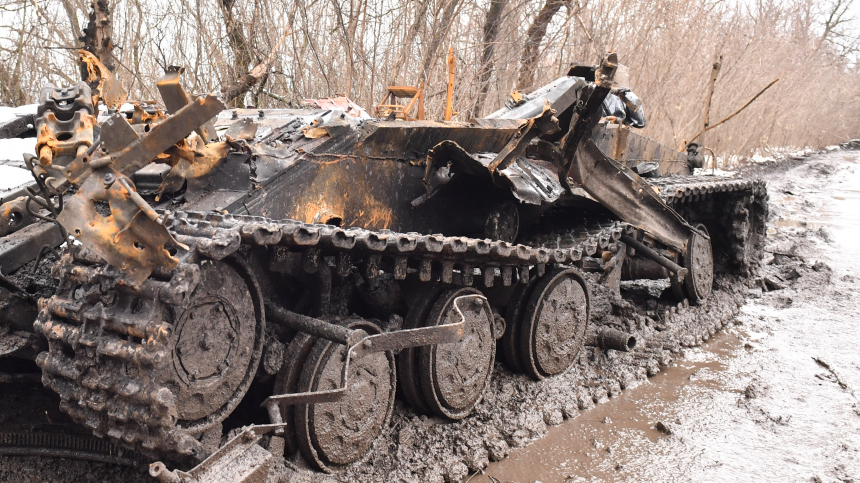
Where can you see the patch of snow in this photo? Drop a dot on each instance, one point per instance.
(12, 177)
(720, 173)
(9, 113)
(13, 149)
(728, 164)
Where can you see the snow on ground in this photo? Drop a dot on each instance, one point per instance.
(13, 177)
(9, 113)
(12, 169)
(12, 150)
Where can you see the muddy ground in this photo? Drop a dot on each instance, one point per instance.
(770, 397)
(774, 396)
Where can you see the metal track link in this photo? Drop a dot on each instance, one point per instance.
(106, 340)
(690, 189)
(217, 236)
(590, 238)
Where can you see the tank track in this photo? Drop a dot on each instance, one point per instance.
(62, 445)
(742, 213)
(107, 337)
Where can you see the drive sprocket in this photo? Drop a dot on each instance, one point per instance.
(152, 366)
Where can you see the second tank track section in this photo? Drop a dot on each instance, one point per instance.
(107, 337)
(739, 206)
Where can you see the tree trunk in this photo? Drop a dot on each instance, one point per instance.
(72, 13)
(491, 31)
(98, 34)
(439, 34)
(403, 56)
(534, 37)
(236, 36)
(257, 75)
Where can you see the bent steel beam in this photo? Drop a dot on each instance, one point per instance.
(628, 196)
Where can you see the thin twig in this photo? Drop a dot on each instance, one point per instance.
(839, 381)
(276, 96)
(734, 113)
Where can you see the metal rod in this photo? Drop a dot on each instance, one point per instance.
(140, 202)
(649, 252)
(310, 325)
(608, 338)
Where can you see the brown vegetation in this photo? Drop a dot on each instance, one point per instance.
(357, 47)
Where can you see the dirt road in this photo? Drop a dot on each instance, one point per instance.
(774, 397)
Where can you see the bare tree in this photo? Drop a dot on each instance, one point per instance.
(838, 31)
(358, 47)
(238, 42)
(98, 35)
(71, 7)
(485, 71)
(437, 36)
(412, 33)
(534, 37)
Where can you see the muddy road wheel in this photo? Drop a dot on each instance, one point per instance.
(153, 369)
(510, 341)
(699, 261)
(453, 377)
(407, 360)
(217, 344)
(552, 326)
(334, 434)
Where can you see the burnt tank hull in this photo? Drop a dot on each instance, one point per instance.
(344, 261)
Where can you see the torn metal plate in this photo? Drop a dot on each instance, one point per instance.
(104, 217)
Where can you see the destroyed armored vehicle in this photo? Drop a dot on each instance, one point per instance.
(293, 268)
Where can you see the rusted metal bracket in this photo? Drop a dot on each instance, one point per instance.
(240, 460)
(627, 195)
(586, 115)
(175, 98)
(126, 152)
(110, 218)
(391, 341)
(545, 123)
(107, 214)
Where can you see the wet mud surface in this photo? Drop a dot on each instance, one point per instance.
(774, 397)
(758, 383)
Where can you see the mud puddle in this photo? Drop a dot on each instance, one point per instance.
(774, 397)
(605, 442)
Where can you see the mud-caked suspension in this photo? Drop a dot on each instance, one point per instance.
(157, 366)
